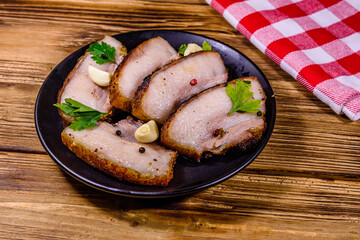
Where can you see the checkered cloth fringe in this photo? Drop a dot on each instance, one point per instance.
(316, 41)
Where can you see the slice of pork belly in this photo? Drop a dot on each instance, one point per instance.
(79, 86)
(167, 88)
(141, 61)
(119, 156)
(195, 129)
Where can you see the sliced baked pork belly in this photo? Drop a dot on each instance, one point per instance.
(141, 61)
(79, 86)
(201, 125)
(113, 149)
(162, 92)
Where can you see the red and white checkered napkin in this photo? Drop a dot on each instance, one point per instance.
(315, 41)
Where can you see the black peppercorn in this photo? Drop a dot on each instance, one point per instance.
(259, 113)
(141, 149)
(118, 132)
(103, 56)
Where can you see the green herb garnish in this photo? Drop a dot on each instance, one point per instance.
(205, 47)
(86, 117)
(102, 53)
(241, 97)
(182, 49)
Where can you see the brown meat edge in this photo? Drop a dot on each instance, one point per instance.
(117, 100)
(254, 135)
(114, 169)
(137, 109)
(240, 146)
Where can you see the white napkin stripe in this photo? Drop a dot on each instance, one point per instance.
(324, 18)
(230, 18)
(350, 81)
(258, 44)
(353, 41)
(289, 69)
(288, 27)
(350, 114)
(260, 5)
(320, 95)
(354, 3)
(318, 55)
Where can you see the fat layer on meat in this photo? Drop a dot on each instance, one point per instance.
(190, 130)
(79, 86)
(141, 61)
(167, 88)
(103, 148)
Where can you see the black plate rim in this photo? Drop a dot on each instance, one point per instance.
(163, 194)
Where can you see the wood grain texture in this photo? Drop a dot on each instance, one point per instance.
(304, 185)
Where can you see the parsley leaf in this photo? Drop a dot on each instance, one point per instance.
(85, 117)
(240, 96)
(206, 46)
(182, 49)
(102, 53)
(85, 122)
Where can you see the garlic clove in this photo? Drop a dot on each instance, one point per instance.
(191, 48)
(147, 132)
(100, 77)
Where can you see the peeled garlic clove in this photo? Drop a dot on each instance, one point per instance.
(191, 48)
(98, 76)
(147, 132)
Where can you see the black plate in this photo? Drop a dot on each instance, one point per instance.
(189, 176)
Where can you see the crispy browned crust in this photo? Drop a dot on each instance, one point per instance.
(137, 109)
(243, 145)
(116, 98)
(251, 139)
(109, 167)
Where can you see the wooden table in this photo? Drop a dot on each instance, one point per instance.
(304, 185)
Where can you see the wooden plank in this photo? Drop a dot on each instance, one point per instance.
(17, 127)
(35, 196)
(58, 26)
